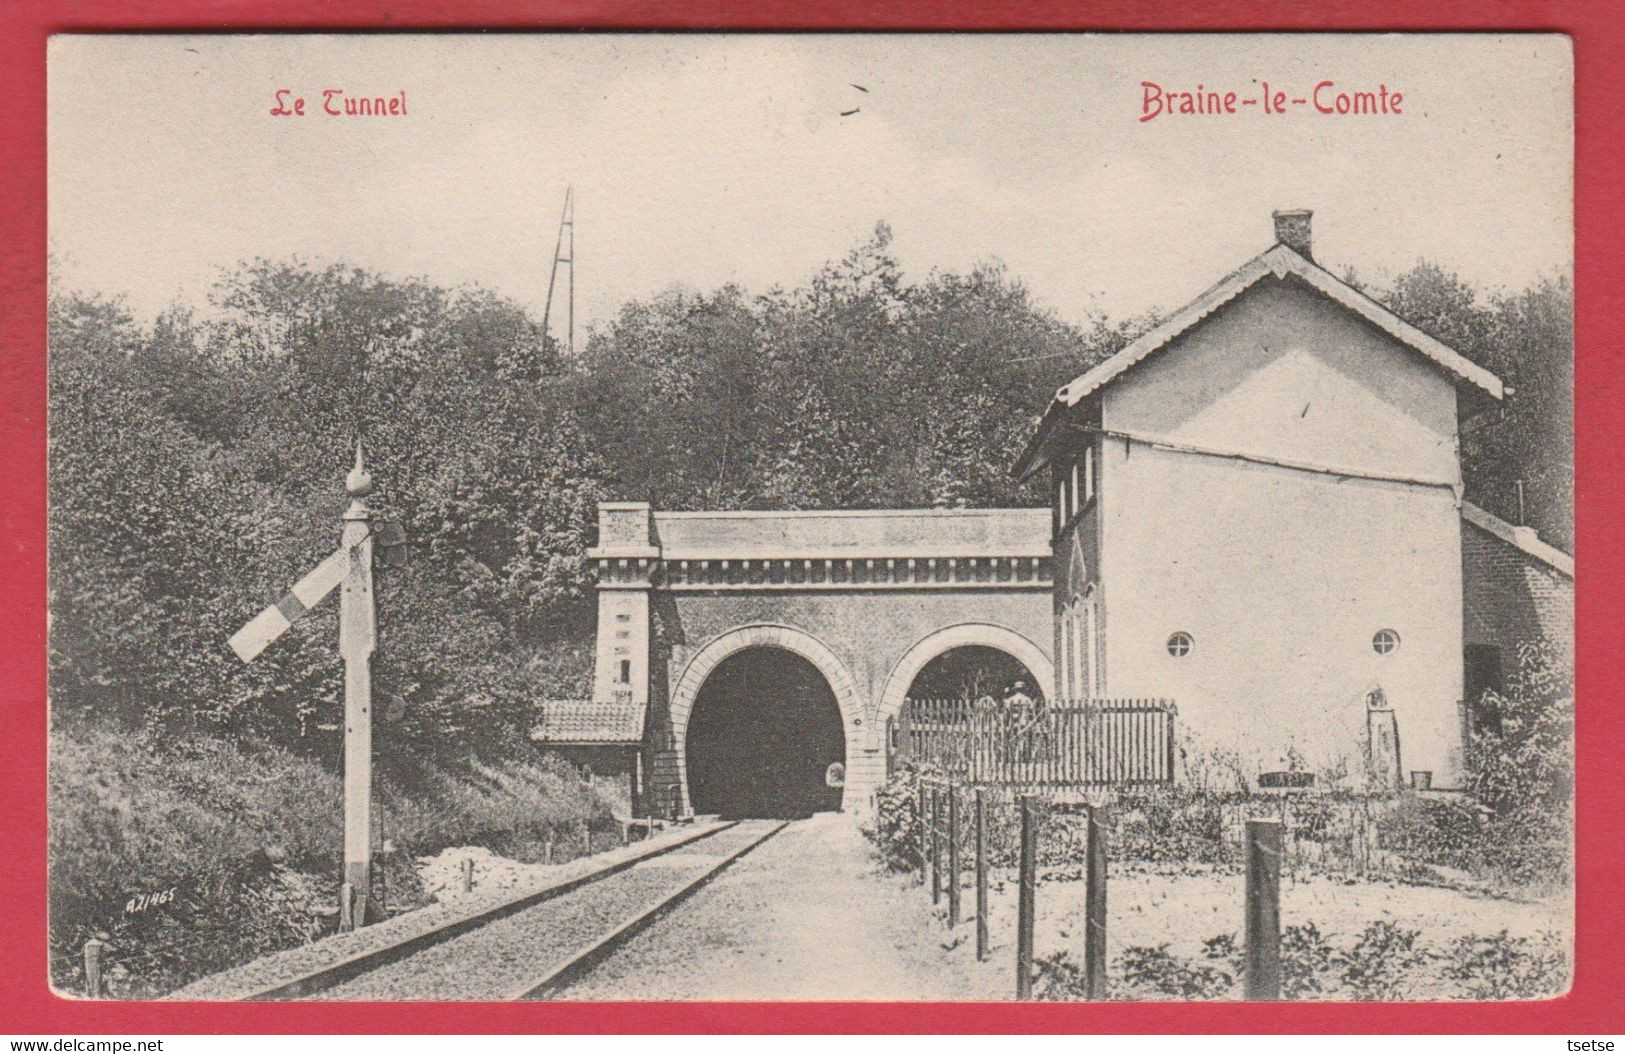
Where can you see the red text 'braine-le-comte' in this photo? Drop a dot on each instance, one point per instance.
(1326, 98)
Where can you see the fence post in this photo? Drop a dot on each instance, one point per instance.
(586, 840)
(1094, 909)
(954, 869)
(936, 845)
(547, 851)
(981, 877)
(1172, 718)
(1263, 910)
(1028, 890)
(468, 875)
(925, 862)
(93, 967)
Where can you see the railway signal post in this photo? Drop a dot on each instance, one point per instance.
(357, 637)
(351, 567)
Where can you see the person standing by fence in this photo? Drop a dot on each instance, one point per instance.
(1023, 711)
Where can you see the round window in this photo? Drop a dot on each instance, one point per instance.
(1180, 644)
(1385, 641)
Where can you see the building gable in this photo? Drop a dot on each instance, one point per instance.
(1280, 263)
(1282, 373)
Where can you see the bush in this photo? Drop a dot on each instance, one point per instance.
(895, 829)
(1306, 962)
(1379, 963)
(1173, 825)
(1153, 972)
(1518, 828)
(1506, 967)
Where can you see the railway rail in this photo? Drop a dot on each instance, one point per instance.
(532, 947)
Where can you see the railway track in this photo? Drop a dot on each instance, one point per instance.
(535, 947)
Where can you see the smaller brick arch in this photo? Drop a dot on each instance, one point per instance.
(929, 647)
(764, 635)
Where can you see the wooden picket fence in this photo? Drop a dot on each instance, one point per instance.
(1094, 742)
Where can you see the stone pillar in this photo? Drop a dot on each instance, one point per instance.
(627, 559)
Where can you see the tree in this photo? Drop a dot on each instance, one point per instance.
(858, 389)
(1527, 339)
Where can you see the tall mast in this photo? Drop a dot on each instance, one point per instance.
(564, 252)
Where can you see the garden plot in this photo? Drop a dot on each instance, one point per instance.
(1175, 933)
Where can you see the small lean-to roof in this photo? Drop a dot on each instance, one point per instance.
(1279, 261)
(1523, 539)
(590, 722)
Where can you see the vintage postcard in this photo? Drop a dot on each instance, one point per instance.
(811, 517)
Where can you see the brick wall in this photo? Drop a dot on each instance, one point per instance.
(1510, 597)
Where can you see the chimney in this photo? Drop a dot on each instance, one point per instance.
(1292, 229)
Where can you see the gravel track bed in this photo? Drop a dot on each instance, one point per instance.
(285, 966)
(811, 914)
(492, 961)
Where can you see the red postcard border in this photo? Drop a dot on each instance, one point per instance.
(1593, 1005)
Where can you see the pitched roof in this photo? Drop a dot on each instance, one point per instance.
(1279, 260)
(587, 722)
(1522, 538)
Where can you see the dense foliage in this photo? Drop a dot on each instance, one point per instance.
(195, 475)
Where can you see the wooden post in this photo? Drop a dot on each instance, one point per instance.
(586, 839)
(924, 834)
(1263, 926)
(1024, 904)
(626, 834)
(547, 851)
(1094, 907)
(468, 875)
(936, 845)
(954, 870)
(357, 635)
(981, 877)
(93, 967)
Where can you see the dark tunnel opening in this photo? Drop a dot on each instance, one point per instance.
(764, 731)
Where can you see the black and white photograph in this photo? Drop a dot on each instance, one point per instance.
(817, 517)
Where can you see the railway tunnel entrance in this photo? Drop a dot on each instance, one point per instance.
(973, 672)
(763, 735)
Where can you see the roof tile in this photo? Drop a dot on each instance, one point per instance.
(590, 721)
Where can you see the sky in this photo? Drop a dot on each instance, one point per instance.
(699, 160)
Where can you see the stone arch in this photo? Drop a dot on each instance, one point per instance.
(766, 635)
(930, 646)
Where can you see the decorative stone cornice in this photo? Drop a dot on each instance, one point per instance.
(626, 572)
(821, 550)
(850, 574)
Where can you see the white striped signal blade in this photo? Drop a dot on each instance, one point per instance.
(271, 623)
